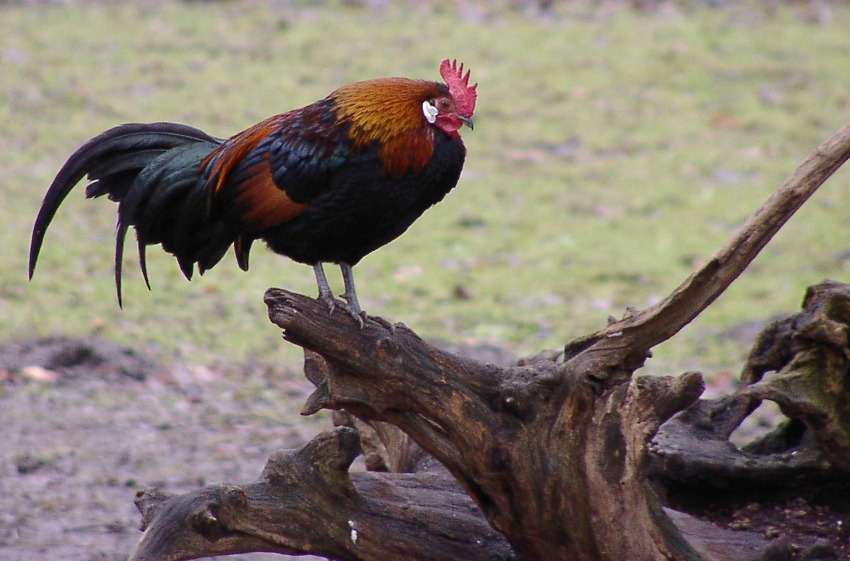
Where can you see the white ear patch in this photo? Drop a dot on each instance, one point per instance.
(429, 111)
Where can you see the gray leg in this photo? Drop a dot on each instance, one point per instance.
(325, 294)
(350, 294)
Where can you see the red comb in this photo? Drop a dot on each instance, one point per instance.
(464, 94)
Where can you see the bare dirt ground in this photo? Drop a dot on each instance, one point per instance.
(86, 424)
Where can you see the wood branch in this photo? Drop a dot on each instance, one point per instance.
(643, 330)
(532, 444)
(306, 502)
(385, 446)
(812, 387)
(448, 404)
(800, 362)
(229, 519)
(391, 447)
(388, 448)
(688, 452)
(392, 450)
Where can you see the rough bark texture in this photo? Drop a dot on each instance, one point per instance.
(800, 362)
(556, 453)
(307, 502)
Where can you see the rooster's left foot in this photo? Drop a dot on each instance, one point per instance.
(353, 308)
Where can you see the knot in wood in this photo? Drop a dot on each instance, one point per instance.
(525, 388)
(206, 522)
(336, 447)
(511, 403)
(596, 380)
(235, 498)
(389, 349)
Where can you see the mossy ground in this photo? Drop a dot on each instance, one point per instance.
(612, 153)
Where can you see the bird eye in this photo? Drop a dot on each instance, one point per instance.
(429, 111)
(445, 105)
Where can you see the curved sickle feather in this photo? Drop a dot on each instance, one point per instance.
(71, 173)
(91, 158)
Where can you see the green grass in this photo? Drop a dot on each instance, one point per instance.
(612, 153)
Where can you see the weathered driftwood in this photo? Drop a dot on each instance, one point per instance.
(800, 362)
(555, 452)
(307, 502)
(496, 427)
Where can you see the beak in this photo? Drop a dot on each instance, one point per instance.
(466, 121)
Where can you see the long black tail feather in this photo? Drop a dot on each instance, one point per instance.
(154, 173)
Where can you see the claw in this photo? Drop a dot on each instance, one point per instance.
(388, 325)
(359, 315)
(330, 301)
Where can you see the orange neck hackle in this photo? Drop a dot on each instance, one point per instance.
(388, 111)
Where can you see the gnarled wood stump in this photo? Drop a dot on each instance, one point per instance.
(550, 459)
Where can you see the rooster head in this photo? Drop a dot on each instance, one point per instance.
(451, 112)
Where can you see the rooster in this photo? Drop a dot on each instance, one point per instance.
(327, 183)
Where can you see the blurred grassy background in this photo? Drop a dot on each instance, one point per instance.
(614, 149)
